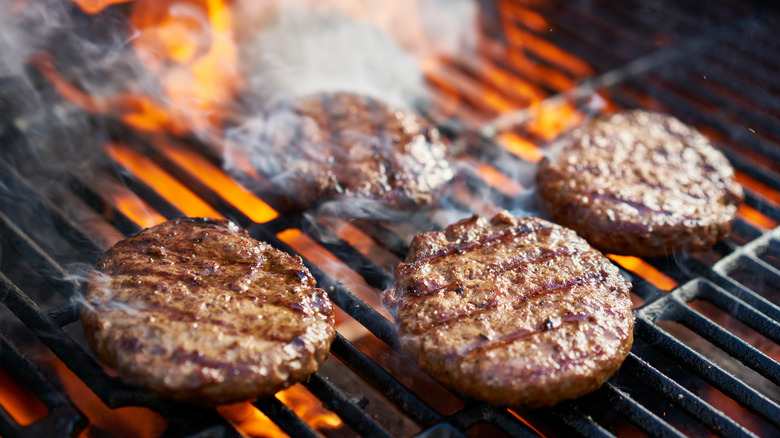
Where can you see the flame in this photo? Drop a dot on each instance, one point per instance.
(756, 217)
(757, 186)
(250, 421)
(20, 403)
(95, 6)
(220, 182)
(644, 270)
(520, 147)
(254, 423)
(190, 46)
(163, 183)
(136, 209)
(524, 421)
(308, 407)
(120, 422)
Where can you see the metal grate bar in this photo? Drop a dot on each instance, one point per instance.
(40, 261)
(112, 214)
(383, 236)
(726, 341)
(743, 312)
(109, 390)
(80, 240)
(567, 413)
(346, 409)
(709, 371)
(637, 413)
(285, 418)
(63, 418)
(477, 412)
(402, 397)
(681, 397)
(374, 321)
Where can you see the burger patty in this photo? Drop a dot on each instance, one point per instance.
(196, 310)
(513, 311)
(343, 146)
(640, 183)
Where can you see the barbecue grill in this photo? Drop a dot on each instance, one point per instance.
(705, 357)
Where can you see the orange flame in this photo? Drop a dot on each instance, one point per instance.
(136, 210)
(20, 403)
(252, 422)
(119, 422)
(308, 407)
(220, 182)
(166, 185)
(645, 270)
(190, 45)
(95, 6)
(756, 217)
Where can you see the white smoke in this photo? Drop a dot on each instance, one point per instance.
(368, 47)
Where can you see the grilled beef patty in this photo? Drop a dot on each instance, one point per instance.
(196, 310)
(513, 311)
(352, 148)
(640, 183)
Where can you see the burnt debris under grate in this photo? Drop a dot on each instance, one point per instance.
(689, 372)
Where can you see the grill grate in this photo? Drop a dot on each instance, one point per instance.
(640, 56)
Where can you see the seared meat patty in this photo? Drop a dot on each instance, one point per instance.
(640, 183)
(196, 310)
(343, 146)
(513, 311)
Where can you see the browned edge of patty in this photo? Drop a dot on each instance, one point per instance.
(518, 312)
(640, 183)
(359, 150)
(195, 310)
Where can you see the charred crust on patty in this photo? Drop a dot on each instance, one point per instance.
(640, 183)
(513, 311)
(354, 148)
(195, 310)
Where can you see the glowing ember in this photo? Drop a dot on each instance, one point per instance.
(120, 422)
(250, 421)
(220, 182)
(520, 147)
(167, 186)
(19, 402)
(757, 218)
(757, 186)
(137, 210)
(644, 270)
(308, 407)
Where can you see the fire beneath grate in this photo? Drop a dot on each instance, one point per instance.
(705, 358)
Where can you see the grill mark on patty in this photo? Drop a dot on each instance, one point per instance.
(494, 271)
(140, 313)
(514, 299)
(459, 249)
(485, 344)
